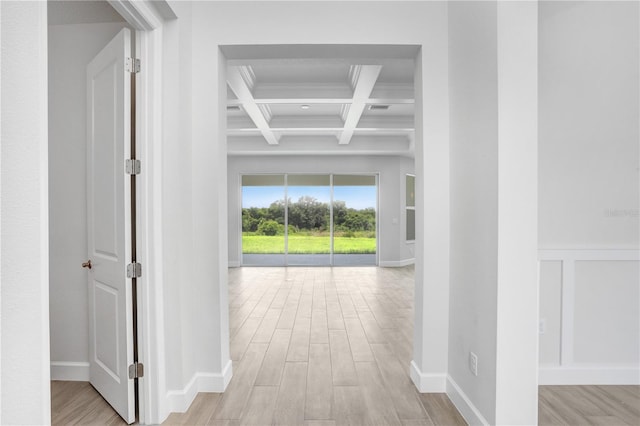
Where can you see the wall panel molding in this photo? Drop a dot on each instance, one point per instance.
(569, 371)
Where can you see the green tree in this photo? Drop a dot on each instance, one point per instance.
(276, 211)
(309, 214)
(269, 227)
(249, 222)
(339, 213)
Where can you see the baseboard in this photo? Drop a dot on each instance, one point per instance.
(396, 263)
(382, 263)
(427, 383)
(464, 405)
(208, 382)
(179, 401)
(70, 371)
(589, 375)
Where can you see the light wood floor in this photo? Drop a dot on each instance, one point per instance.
(321, 346)
(589, 405)
(331, 346)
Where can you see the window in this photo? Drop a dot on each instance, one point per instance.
(309, 219)
(410, 207)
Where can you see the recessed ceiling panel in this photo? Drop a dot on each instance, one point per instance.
(321, 104)
(301, 72)
(305, 109)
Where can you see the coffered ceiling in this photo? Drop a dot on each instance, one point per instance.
(330, 106)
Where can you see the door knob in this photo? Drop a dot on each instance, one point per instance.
(87, 264)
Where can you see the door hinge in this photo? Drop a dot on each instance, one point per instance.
(133, 167)
(132, 65)
(136, 370)
(134, 270)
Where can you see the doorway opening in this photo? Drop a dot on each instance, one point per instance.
(97, 333)
(305, 220)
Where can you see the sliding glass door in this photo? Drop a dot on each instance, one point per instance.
(309, 220)
(263, 220)
(326, 220)
(355, 199)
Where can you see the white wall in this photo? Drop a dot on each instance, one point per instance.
(194, 260)
(393, 249)
(71, 48)
(589, 192)
(517, 340)
(24, 308)
(493, 309)
(474, 199)
(176, 199)
(589, 125)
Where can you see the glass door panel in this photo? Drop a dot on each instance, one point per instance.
(355, 199)
(309, 220)
(263, 220)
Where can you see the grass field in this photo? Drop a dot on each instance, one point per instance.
(303, 244)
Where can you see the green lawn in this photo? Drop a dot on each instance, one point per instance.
(303, 244)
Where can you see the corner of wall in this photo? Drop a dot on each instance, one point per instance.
(427, 383)
(467, 409)
(179, 401)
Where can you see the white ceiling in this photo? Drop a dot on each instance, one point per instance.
(323, 104)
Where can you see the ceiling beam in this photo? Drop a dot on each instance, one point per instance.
(364, 78)
(236, 78)
(322, 101)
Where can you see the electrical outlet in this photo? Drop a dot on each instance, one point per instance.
(473, 363)
(542, 326)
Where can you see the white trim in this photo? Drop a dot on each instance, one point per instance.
(150, 244)
(70, 371)
(427, 383)
(591, 253)
(179, 401)
(148, 23)
(397, 263)
(138, 14)
(578, 374)
(234, 264)
(464, 405)
(567, 310)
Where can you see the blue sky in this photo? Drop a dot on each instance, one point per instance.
(356, 197)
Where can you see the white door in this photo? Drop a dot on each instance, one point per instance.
(109, 225)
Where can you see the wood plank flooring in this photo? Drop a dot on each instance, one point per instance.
(589, 405)
(332, 346)
(322, 346)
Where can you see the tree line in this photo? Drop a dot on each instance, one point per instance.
(307, 214)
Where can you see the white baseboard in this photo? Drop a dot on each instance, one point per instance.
(464, 405)
(396, 263)
(71, 371)
(589, 375)
(179, 401)
(427, 383)
(234, 264)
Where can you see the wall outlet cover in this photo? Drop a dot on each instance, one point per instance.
(473, 363)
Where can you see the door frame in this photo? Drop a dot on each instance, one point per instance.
(147, 20)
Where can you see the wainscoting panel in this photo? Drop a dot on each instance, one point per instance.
(589, 316)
